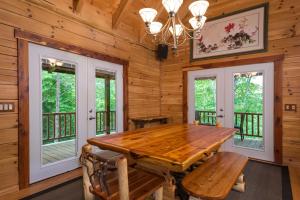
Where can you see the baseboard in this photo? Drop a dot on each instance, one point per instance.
(43, 185)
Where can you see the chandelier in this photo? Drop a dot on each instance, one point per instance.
(174, 33)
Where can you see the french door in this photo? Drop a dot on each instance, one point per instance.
(71, 98)
(240, 97)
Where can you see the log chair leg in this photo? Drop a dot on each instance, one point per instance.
(240, 179)
(123, 178)
(158, 195)
(85, 171)
(240, 184)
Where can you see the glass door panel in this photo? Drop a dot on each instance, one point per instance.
(105, 102)
(57, 117)
(248, 109)
(105, 98)
(205, 97)
(206, 100)
(58, 110)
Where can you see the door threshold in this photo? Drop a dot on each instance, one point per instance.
(44, 185)
(265, 161)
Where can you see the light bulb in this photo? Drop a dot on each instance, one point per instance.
(155, 27)
(148, 14)
(198, 8)
(172, 6)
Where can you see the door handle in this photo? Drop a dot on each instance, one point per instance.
(91, 118)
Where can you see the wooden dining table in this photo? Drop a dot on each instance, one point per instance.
(166, 149)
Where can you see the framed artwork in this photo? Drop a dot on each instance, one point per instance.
(241, 32)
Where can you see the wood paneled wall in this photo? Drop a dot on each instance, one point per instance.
(284, 38)
(143, 80)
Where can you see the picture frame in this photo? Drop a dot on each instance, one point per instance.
(237, 33)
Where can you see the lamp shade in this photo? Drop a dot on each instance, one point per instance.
(197, 24)
(172, 6)
(148, 14)
(155, 27)
(178, 30)
(198, 8)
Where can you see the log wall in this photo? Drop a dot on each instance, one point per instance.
(144, 71)
(284, 38)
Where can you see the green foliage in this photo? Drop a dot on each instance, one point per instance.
(205, 94)
(248, 94)
(248, 98)
(59, 95)
(67, 92)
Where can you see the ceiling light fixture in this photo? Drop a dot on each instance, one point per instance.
(174, 28)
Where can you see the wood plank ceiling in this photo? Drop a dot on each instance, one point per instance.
(126, 11)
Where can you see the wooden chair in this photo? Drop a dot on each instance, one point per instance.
(216, 177)
(241, 126)
(109, 178)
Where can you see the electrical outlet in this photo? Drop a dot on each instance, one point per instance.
(290, 107)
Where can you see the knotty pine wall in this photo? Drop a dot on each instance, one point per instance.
(284, 38)
(144, 71)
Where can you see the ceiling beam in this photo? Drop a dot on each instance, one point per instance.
(77, 5)
(118, 14)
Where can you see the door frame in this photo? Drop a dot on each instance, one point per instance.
(23, 39)
(278, 79)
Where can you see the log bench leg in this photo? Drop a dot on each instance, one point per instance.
(158, 195)
(240, 184)
(123, 178)
(86, 170)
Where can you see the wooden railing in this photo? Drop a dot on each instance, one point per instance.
(249, 124)
(61, 126)
(101, 122)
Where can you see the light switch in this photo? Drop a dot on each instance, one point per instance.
(7, 106)
(290, 107)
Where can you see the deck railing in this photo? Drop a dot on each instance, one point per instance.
(62, 126)
(249, 124)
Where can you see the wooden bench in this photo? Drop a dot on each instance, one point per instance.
(111, 179)
(217, 176)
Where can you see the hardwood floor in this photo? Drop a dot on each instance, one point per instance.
(264, 182)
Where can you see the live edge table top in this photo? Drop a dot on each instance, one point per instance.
(173, 146)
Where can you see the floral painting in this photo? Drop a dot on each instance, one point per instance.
(243, 32)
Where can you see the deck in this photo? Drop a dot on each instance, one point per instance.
(63, 150)
(256, 143)
(58, 151)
